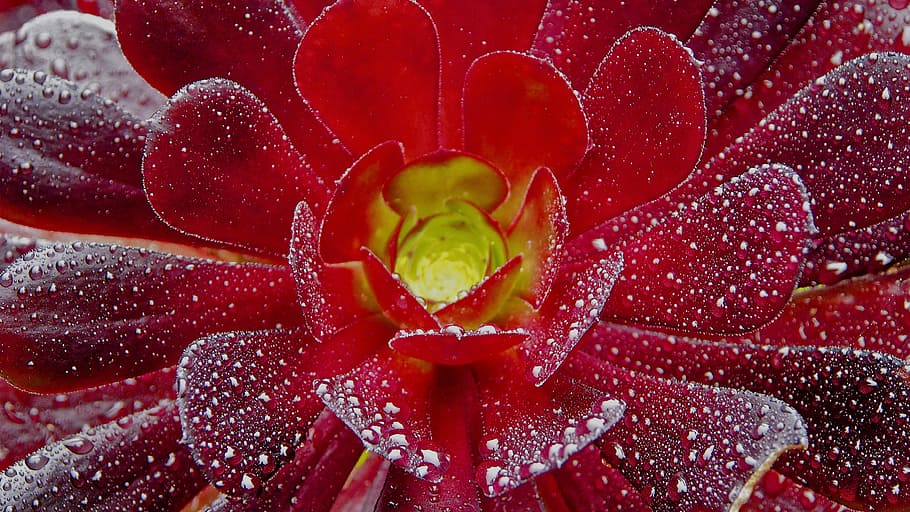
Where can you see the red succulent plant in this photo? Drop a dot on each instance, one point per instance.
(573, 255)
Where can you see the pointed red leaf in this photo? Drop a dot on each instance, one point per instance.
(868, 313)
(727, 263)
(843, 164)
(395, 300)
(218, 165)
(31, 421)
(370, 70)
(687, 447)
(455, 346)
(385, 402)
(647, 122)
(485, 299)
(332, 295)
(575, 35)
(134, 463)
(855, 404)
(521, 114)
(311, 481)
(83, 48)
(574, 305)
(359, 192)
(80, 315)
(71, 160)
(251, 42)
(468, 29)
(538, 234)
(529, 430)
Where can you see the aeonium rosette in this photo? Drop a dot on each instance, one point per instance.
(516, 294)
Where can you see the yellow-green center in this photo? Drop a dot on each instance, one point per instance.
(445, 255)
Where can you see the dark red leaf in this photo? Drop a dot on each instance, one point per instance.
(218, 165)
(647, 120)
(843, 164)
(738, 40)
(687, 447)
(135, 463)
(83, 49)
(30, 421)
(867, 250)
(251, 42)
(80, 315)
(727, 263)
(855, 404)
(76, 157)
(370, 70)
(837, 32)
(868, 313)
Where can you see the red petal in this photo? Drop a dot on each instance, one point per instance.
(385, 402)
(245, 398)
(370, 69)
(313, 479)
(588, 484)
(307, 10)
(14, 246)
(135, 463)
(332, 295)
(537, 234)
(364, 485)
(359, 193)
(485, 299)
(862, 251)
(454, 346)
(218, 165)
(647, 122)
(29, 421)
(855, 404)
(776, 493)
(573, 306)
(866, 313)
(530, 430)
(249, 42)
(520, 113)
(728, 263)
(71, 161)
(84, 49)
(575, 35)
(731, 54)
(842, 164)
(396, 302)
(80, 315)
(687, 447)
(836, 33)
(468, 29)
